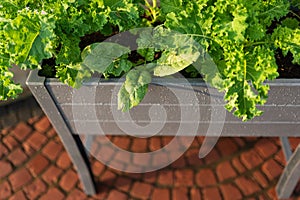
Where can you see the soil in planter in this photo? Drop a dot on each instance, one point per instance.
(286, 68)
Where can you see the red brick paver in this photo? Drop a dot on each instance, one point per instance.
(35, 189)
(5, 168)
(68, 180)
(230, 192)
(21, 131)
(180, 194)
(141, 190)
(160, 193)
(19, 178)
(5, 190)
(17, 157)
(211, 193)
(53, 193)
(205, 177)
(35, 165)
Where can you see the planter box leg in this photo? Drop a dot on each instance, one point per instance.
(72, 143)
(290, 176)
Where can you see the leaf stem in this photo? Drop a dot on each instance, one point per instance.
(154, 13)
(295, 14)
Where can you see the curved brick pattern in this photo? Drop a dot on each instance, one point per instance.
(35, 165)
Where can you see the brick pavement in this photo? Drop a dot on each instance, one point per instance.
(34, 165)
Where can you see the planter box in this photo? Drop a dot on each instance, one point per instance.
(92, 109)
(94, 104)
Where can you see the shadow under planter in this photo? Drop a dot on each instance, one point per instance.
(171, 107)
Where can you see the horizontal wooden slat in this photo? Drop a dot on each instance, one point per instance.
(233, 129)
(281, 117)
(282, 92)
(173, 113)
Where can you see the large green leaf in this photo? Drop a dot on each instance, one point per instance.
(98, 57)
(173, 61)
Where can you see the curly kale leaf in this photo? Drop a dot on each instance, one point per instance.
(73, 74)
(8, 89)
(237, 40)
(288, 40)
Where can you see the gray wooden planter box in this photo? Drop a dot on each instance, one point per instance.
(73, 114)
